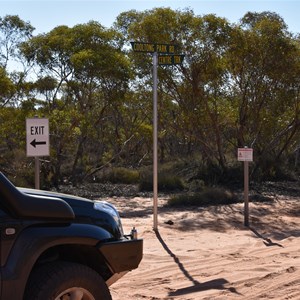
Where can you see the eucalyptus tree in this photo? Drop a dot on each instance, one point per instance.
(15, 90)
(82, 70)
(13, 32)
(189, 95)
(263, 65)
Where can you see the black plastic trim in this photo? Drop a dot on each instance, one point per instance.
(122, 255)
(25, 206)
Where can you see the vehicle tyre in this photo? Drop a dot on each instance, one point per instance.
(66, 281)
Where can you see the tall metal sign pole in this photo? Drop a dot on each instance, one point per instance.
(37, 143)
(246, 155)
(155, 171)
(163, 54)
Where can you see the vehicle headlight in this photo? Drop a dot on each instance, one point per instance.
(111, 210)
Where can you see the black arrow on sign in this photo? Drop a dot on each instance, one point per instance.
(34, 143)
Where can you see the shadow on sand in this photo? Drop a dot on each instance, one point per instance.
(268, 242)
(218, 284)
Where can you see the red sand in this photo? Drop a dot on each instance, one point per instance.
(209, 254)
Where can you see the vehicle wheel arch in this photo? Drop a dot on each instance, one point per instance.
(47, 281)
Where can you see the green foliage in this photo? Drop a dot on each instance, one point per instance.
(276, 170)
(122, 175)
(13, 31)
(167, 182)
(7, 87)
(210, 196)
(170, 183)
(238, 86)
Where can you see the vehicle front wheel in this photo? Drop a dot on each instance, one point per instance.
(66, 281)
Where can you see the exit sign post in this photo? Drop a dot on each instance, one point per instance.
(37, 137)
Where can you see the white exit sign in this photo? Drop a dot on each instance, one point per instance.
(37, 137)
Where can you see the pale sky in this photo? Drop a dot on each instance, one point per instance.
(45, 15)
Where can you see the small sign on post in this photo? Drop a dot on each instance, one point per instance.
(37, 142)
(246, 155)
(37, 137)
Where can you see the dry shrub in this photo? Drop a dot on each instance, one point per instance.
(210, 196)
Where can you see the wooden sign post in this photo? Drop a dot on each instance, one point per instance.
(246, 155)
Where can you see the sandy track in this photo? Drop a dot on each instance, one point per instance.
(208, 254)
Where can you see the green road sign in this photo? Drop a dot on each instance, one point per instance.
(174, 59)
(151, 48)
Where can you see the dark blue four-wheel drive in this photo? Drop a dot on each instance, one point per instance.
(58, 247)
